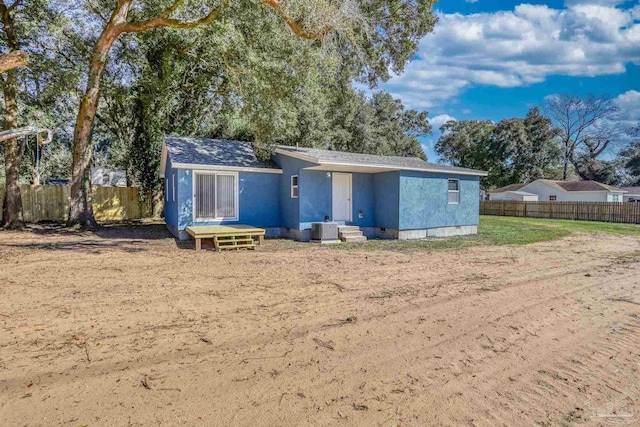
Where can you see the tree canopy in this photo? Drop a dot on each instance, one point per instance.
(511, 151)
(268, 71)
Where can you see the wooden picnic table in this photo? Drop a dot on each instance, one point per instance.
(234, 236)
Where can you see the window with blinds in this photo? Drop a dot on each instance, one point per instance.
(215, 196)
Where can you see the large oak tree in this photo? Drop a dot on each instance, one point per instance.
(369, 38)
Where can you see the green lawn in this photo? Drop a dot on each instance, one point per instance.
(496, 230)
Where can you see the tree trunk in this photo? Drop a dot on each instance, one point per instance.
(13, 59)
(158, 202)
(14, 148)
(80, 208)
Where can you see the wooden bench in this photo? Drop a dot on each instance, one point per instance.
(227, 236)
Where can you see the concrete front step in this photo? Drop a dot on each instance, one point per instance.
(354, 239)
(350, 233)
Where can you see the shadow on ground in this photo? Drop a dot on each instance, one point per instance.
(129, 237)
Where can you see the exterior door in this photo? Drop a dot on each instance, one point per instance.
(341, 196)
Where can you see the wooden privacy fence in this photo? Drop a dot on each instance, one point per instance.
(583, 211)
(51, 203)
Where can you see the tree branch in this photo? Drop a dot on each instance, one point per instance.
(163, 21)
(14, 5)
(13, 59)
(297, 29)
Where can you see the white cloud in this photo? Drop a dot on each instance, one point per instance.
(629, 103)
(438, 121)
(519, 48)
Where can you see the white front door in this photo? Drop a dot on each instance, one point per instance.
(341, 196)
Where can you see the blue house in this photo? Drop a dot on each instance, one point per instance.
(212, 181)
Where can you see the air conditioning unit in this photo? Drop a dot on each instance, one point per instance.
(324, 232)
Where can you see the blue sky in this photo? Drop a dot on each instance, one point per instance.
(491, 59)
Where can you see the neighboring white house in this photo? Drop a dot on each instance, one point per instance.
(520, 196)
(104, 177)
(632, 194)
(563, 191)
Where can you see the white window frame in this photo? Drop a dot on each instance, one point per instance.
(555, 198)
(236, 199)
(453, 191)
(173, 187)
(297, 187)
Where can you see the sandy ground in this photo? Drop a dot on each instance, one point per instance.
(128, 328)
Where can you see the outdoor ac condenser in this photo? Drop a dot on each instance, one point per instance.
(324, 231)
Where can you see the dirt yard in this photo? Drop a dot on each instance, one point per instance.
(128, 328)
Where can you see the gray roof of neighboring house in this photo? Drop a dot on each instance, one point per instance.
(632, 190)
(510, 187)
(581, 185)
(219, 152)
(392, 162)
(563, 185)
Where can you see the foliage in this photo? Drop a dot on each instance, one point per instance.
(193, 83)
(47, 97)
(470, 144)
(629, 159)
(585, 132)
(381, 125)
(513, 150)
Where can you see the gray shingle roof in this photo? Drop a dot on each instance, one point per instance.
(563, 185)
(392, 162)
(218, 152)
(585, 186)
(510, 187)
(631, 190)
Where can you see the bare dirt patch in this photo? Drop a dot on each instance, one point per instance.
(128, 328)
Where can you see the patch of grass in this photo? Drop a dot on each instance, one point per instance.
(496, 231)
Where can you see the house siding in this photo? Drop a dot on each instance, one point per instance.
(170, 205)
(424, 201)
(290, 207)
(316, 198)
(363, 200)
(387, 201)
(258, 200)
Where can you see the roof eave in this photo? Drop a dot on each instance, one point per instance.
(225, 168)
(405, 168)
(315, 160)
(296, 155)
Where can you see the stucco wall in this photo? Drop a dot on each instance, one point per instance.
(363, 199)
(258, 200)
(424, 201)
(170, 205)
(386, 187)
(290, 207)
(316, 198)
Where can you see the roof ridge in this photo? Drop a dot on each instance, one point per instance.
(353, 152)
